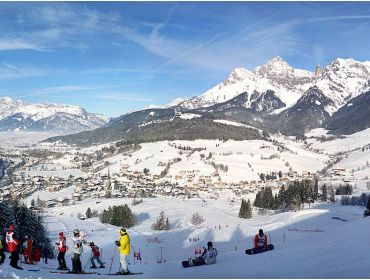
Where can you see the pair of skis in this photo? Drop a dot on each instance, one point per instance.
(84, 273)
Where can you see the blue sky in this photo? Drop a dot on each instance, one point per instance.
(119, 56)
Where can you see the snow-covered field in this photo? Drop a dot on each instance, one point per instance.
(297, 254)
(235, 154)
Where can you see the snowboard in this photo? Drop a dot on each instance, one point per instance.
(185, 264)
(253, 251)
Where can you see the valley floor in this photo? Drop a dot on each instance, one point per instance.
(321, 241)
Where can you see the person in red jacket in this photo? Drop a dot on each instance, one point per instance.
(12, 243)
(62, 249)
(95, 256)
(27, 254)
(260, 241)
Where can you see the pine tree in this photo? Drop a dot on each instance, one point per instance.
(324, 196)
(248, 210)
(88, 213)
(332, 196)
(242, 210)
(245, 211)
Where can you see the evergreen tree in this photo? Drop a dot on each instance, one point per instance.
(162, 222)
(316, 190)
(88, 213)
(248, 210)
(324, 196)
(368, 204)
(332, 196)
(242, 210)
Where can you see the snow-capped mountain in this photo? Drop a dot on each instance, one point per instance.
(20, 115)
(340, 81)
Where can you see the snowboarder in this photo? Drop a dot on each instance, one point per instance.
(208, 257)
(27, 254)
(78, 242)
(62, 249)
(12, 242)
(2, 255)
(260, 241)
(124, 249)
(95, 256)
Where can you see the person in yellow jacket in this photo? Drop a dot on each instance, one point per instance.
(124, 250)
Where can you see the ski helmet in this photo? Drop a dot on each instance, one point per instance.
(209, 244)
(122, 231)
(92, 244)
(11, 227)
(260, 231)
(76, 231)
(61, 233)
(26, 236)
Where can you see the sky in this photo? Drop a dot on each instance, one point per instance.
(115, 57)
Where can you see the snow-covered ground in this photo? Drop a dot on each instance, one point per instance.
(235, 154)
(338, 250)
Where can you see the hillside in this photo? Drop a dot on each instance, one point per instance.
(168, 129)
(296, 255)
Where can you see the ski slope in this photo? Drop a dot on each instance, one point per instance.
(338, 250)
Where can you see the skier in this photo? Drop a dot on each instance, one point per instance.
(78, 242)
(208, 257)
(62, 249)
(2, 255)
(124, 249)
(27, 254)
(260, 241)
(46, 254)
(95, 256)
(12, 242)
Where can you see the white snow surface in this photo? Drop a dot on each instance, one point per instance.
(338, 250)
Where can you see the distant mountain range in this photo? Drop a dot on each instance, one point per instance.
(273, 97)
(18, 115)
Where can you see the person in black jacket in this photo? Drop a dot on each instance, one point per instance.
(2, 255)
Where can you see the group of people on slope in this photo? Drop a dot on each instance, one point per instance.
(209, 254)
(78, 241)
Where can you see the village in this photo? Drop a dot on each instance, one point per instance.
(96, 180)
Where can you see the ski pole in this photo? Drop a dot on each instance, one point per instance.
(89, 260)
(110, 268)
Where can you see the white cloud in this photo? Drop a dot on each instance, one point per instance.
(12, 71)
(122, 97)
(17, 44)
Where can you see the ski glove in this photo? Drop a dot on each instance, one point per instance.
(117, 243)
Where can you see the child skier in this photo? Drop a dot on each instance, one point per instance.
(95, 256)
(62, 249)
(27, 254)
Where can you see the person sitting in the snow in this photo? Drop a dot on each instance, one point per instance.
(95, 256)
(208, 257)
(260, 241)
